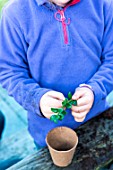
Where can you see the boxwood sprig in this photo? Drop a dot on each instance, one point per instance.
(61, 112)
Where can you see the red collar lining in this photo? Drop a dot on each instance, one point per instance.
(71, 3)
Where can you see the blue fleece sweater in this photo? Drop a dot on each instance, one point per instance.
(45, 47)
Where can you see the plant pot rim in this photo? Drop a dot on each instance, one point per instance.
(66, 150)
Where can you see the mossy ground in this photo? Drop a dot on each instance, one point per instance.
(2, 2)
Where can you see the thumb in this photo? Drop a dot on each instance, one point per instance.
(78, 94)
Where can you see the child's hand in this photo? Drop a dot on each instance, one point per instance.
(85, 99)
(51, 99)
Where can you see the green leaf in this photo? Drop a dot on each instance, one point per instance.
(73, 102)
(58, 117)
(65, 102)
(55, 110)
(70, 95)
(68, 105)
(60, 110)
(61, 116)
(54, 118)
(64, 112)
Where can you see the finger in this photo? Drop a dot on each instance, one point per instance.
(80, 109)
(48, 115)
(47, 110)
(52, 102)
(83, 101)
(79, 115)
(78, 94)
(56, 95)
(80, 120)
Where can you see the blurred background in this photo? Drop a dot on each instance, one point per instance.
(15, 141)
(15, 115)
(2, 2)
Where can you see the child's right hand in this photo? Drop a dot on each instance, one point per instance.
(51, 99)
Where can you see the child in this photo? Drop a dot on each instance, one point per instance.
(50, 48)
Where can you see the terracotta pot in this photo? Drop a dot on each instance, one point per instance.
(62, 142)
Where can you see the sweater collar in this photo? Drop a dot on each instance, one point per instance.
(41, 2)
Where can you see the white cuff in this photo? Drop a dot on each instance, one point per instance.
(86, 85)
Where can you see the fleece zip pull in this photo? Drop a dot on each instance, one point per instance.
(62, 19)
(64, 24)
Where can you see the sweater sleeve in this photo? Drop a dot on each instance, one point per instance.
(14, 70)
(102, 80)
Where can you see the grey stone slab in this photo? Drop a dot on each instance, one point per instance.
(94, 151)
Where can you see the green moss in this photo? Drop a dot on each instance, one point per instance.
(2, 3)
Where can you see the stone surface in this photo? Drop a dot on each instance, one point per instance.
(15, 148)
(15, 115)
(94, 151)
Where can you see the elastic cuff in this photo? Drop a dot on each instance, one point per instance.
(87, 86)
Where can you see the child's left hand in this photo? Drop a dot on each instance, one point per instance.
(85, 99)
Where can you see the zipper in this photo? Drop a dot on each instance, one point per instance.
(65, 32)
(62, 19)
